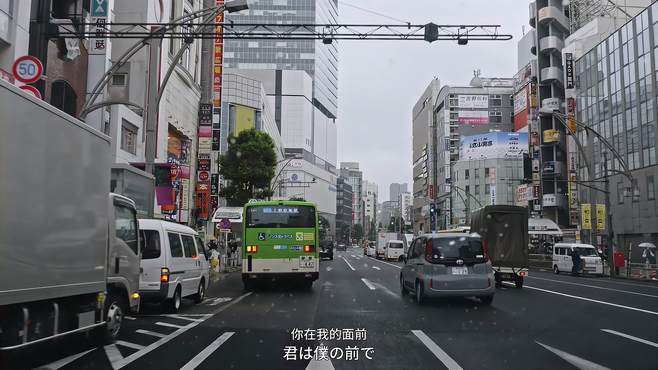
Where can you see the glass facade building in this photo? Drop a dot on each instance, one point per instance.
(319, 60)
(617, 97)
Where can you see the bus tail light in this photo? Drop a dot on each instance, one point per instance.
(164, 275)
(309, 248)
(252, 248)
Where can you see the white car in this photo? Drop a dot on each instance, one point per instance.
(591, 262)
(174, 264)
(394, 250)
(371, 250)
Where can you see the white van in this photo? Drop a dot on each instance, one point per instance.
(394, 250)
(174, 264)
(590, 260)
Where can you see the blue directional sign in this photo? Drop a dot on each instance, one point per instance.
(99, 8)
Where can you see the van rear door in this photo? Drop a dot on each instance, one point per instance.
(153, 258)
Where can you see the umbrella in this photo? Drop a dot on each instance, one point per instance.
(647, 245)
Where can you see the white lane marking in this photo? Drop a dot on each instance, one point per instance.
(593, 286)
(383, 288)
(64, 361)
(329, 268)
(129, 318)
(320, 365)
(130, 345)
(178, 332)
(212, 347)
(576, 361)
(353, 256)
(628, 336)
(348, 264)
(113, 354)
(436, 350)
(368, 284)
(183, 318)
(169, 325)
(386, 263)
(151, 333)
(376, 268)
(592, 300)
(629, 284)
(220, 300)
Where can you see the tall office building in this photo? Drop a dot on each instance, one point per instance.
(350, 171)
(395, 189)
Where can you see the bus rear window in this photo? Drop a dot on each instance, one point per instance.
(281, 216)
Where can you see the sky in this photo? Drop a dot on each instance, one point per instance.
(380, 81)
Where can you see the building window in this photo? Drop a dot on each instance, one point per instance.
(120, 79)
(465, 174)
(487, 188)
(620, 193)
(128, 137)
(467, 188)
(477, 173)
(651, 188)
(495, 117)
(63, 97)
(496, 100)
(486, 172)
(477, 191)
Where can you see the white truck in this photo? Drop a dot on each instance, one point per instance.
(69, 249)
(382, 239)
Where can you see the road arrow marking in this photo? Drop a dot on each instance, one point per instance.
(628, 336)
(320, 365)
(437, 351)
(576, 361)
(212, 347)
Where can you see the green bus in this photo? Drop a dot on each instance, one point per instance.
(280, 241)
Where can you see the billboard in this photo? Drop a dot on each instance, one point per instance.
(551, 136)
(473, 101)
(245, 118)
(473, 117)
(494, 145)
(521, 115)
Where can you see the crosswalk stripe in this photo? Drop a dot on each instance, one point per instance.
(628, 336)
(129, 318)
(368, 284)
(576, 361)
(151, 333)
(113, 354)
(129, 344)
(184, 318)
(212, 347)
(219, 300)
(64, 361)
(169, 325)
(436, 350)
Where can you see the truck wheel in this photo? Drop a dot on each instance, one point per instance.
(201, 292)
(173, 304)
(518, 282)
(114, 311)
(556, 271)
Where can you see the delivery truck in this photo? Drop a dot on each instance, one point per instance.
(69, 249)
(382, 239)
(504, 233)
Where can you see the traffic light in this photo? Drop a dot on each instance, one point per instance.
(432, 208)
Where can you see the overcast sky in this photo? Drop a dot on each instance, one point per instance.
(380, 81)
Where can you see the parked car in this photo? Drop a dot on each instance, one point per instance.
(440, 265)
(591, 262)
(372, 249)
(327, 250)
(174, 265)
(394, 250)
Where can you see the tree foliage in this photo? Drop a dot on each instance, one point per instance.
(249, 166)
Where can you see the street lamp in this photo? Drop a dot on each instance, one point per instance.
(273, 183)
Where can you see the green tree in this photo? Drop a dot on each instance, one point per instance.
(357, 231)
(248, 165)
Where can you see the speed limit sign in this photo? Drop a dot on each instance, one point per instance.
(27, 69)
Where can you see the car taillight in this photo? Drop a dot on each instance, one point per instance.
(164, 275)
(309, 248)
(252, 248)
(428, 250)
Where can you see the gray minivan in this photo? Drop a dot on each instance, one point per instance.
(441, 265)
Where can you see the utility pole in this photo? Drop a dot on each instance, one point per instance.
(155, 46)
(608, 213)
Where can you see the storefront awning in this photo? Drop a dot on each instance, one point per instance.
(543, 226)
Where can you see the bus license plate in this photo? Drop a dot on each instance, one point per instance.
(460, 270)
(306, 263)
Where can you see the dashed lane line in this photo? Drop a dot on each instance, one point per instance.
(437, 351)
(574, 360)
(593, 286)
(368, 284)
(212, 347)
(628, 336)
(386, 263)
(348, 264)
(376, 268)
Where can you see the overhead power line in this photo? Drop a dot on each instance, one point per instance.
(373, 12)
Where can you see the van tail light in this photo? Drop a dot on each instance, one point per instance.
(429, 248)
(164, 275)
(309, 248)
(252, 248)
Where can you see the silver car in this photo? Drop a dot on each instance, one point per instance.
(442, 265)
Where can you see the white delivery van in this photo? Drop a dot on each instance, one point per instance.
(590, 260)
(174, 264)
(394, 250)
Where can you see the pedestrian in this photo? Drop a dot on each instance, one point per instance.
(575, 260)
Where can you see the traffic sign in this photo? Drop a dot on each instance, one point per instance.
(32, 90)
(204, 175)
(99, 8)
(225, 223)
(27, 69)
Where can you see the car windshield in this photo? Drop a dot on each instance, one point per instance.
(396, 245)
(282, 216)
(587, 252)
(456, 248)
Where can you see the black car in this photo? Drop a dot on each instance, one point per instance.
(341, 247)
(327, 250)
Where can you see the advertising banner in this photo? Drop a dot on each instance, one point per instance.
(494, 145)
(521, 100)
(586, 216)
(568, 70)
(185, 194)
(549, 200)
(600, 216)
(245, 118)
(473, 117)
(473, 101)
(551, 136)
